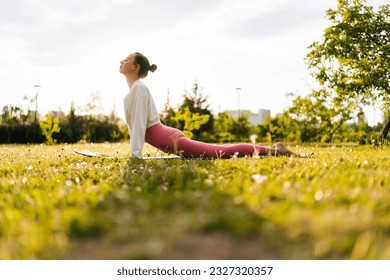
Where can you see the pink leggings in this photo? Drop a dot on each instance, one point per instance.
(172, 140)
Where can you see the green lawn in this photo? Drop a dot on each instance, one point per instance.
(55, 204)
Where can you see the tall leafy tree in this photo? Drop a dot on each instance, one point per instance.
(280, 128)
(196, 102)
(353, 59)
(306, 119)
(12, 115)
(319, 115)
(192, 121)
(168, 113)
(224, 125)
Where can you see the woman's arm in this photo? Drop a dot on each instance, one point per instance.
(139, 112)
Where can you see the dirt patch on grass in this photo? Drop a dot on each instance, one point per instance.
(188, 246)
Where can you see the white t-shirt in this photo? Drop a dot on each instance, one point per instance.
(140, 114)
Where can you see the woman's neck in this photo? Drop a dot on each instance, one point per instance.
(130, 80)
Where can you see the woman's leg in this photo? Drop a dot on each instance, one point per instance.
(172, 140)
(163, 137)
(192, 148)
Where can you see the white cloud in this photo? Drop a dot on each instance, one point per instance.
(73, 48)
(278, 20)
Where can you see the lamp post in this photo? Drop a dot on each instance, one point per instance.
(238, 90)
(37, 88)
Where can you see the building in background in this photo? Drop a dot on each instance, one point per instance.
(263, 115)
(254, 119)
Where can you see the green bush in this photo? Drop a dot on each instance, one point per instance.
(20, 134)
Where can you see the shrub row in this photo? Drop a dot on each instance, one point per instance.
(71, 131)
(20, 134)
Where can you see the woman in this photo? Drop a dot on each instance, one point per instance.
(144, 123)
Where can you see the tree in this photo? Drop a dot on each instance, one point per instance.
(49, 127)
(241, 127)
(12, 114)
(353, 59)
(306, 119)
(280, 128)
(73, 127)
(168, 113)
(29, 117)
(322, 114)
(192, 121)
(196, 103)
(223, 128)
(94, 107)
(226, 128)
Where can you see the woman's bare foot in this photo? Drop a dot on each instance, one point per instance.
(279, 149)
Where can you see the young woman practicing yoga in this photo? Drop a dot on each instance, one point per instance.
(144, 123)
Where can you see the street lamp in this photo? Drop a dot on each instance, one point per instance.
(238, 90)
(37, 88)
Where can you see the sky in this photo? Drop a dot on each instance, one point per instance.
(72, 49)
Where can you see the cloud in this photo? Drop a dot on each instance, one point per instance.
(278, 20)
(60, 32)
(46, 31)
(14, 13)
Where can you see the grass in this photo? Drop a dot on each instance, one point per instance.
(55, 204)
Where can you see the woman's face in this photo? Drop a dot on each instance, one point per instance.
(127, 65)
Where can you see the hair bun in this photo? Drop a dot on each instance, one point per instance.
(153, 68)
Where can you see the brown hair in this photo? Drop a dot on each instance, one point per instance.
(144, 65)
